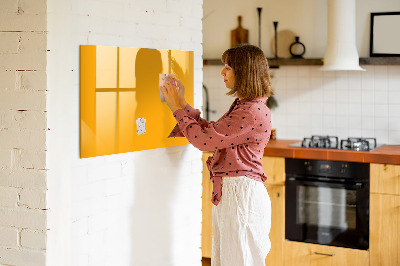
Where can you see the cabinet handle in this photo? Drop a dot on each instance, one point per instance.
(324, 254)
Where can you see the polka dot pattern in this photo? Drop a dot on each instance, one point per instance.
(238, 139)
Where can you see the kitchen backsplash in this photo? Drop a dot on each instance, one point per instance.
(314, 102)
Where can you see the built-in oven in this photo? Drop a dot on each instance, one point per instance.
(327, 202)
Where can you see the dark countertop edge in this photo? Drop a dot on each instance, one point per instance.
(386, 154)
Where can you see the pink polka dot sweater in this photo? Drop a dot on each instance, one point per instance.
(238, 139)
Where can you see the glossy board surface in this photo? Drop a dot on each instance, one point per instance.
(121, 110)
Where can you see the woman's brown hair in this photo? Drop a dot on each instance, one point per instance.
(250, 66)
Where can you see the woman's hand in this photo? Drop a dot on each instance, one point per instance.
(173, 94)
(181, 92)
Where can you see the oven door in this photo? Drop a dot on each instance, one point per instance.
(327, 213)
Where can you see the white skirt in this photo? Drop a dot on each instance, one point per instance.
(241, 223)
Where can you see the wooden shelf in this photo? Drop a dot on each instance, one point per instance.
(273, 63)
(380, 61)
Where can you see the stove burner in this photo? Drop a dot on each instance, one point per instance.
(328, 142)
(358, 144)
(332, 142)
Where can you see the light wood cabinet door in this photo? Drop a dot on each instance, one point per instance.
(384, 230)
(277, 233)
(274, 168)
(206, 226)
(304, 254)
(385, 178)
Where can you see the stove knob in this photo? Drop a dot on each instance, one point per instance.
(308, 166)
(343, 168)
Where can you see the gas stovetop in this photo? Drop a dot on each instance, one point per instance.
(332, 142)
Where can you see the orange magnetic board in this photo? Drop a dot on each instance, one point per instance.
(121, 110)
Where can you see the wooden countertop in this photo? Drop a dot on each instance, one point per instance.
(389, 154)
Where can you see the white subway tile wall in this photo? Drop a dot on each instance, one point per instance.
(313, 102)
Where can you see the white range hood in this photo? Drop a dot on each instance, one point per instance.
(341, 51)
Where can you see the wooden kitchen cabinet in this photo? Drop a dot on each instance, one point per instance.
(305, 254)
(385, 215)
(277, 233)
(384, 236)
(274, 168)
(206, 225)
(385, 178)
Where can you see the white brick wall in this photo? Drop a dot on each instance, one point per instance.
(140, 208)
(99, 208)
(23, 132)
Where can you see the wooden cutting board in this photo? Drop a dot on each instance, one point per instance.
(239, 35)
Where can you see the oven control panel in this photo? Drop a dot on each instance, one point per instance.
(337, 169)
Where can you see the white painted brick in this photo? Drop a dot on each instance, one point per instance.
(22, 218)
(5, 159)
(114, 186)
(32, 55)
(16, 158)
(197, 166)
(31, 80)
(35, 120)
(81, 193)
(23, 178)
(176, 7)
(33, 199)
(33, 239)
(31, 159)
(8, 197)
(23, 100)
(80, 227)
(9, 42)
(116, 202)
(191, 22)
(154, 32)
(8, 6)
(29, 18)
(168, 19)
(196, 38)
(149, 6)
(198, 78)
(105, 180)
(17, 256)
(127, 169)
(96, 173)
(8, 80)
(79, 175)
(98, 222)
(14, 139)
(196, 10)
(33, 7)
(8, 237)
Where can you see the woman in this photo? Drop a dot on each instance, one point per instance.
(242, 211)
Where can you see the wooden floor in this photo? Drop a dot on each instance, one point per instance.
(206, 261)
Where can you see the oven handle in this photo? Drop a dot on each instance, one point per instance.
(357, 185)
(324, 254)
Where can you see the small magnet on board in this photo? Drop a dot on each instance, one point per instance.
(141, 126)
